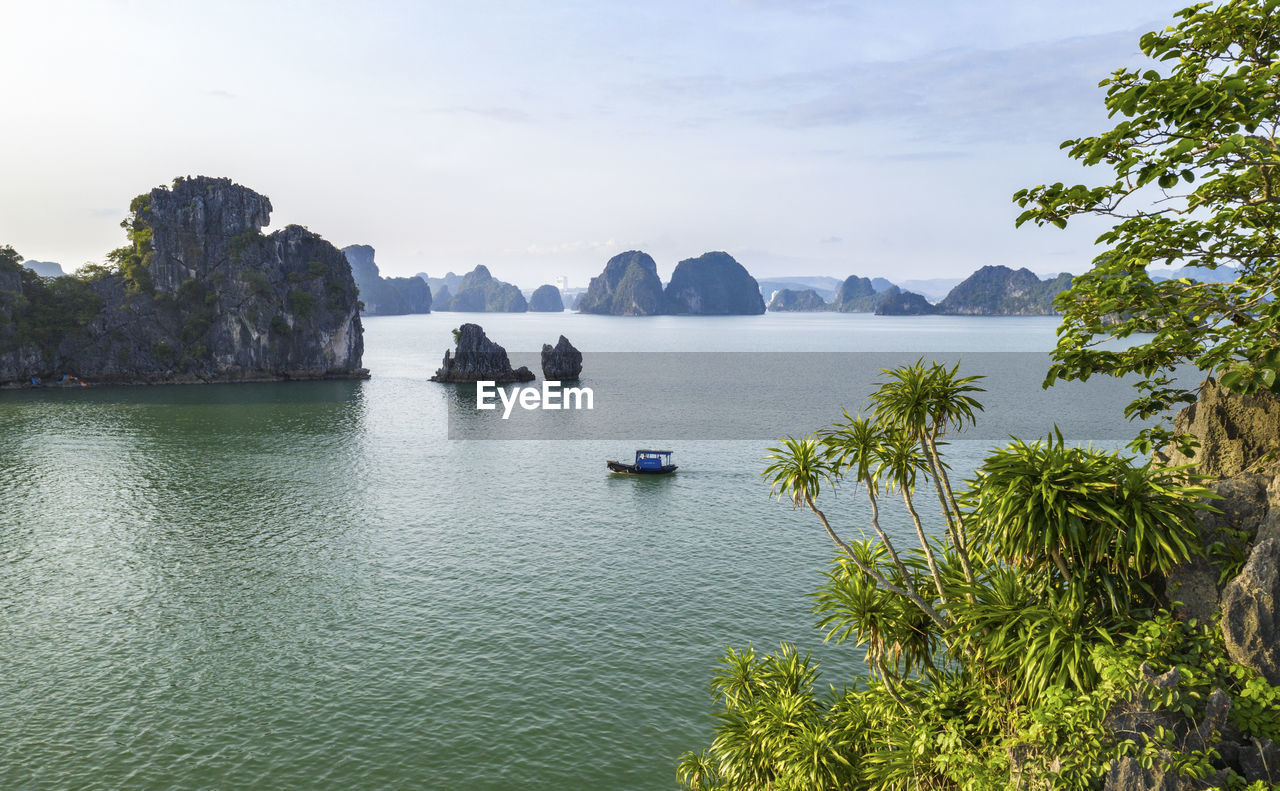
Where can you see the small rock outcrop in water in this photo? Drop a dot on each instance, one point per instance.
(546, 299)
(713, 284)
(200, 294)
(628, 286)
(806, 300)
(481, 292)
(562, 361)
(385, 296)
(477, 358)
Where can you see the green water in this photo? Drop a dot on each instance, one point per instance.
(306, 585)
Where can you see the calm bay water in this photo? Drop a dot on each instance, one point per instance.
(298, 586)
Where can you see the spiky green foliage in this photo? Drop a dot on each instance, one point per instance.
(1004, 663)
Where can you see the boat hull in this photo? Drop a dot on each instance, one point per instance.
(631, 469)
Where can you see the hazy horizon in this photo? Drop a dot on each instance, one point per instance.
(804, 138)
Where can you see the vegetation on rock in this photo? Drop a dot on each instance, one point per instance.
(199, 294)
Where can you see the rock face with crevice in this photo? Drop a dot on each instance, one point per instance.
(562, 361)
(199, 295)
(478, 359)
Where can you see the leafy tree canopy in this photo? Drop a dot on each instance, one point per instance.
(1194, 179)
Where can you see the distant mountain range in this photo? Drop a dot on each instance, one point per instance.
(991, 291)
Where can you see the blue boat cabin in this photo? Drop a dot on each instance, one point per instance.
(653, 459)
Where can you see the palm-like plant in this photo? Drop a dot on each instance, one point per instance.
(927, 401)
(798, 471)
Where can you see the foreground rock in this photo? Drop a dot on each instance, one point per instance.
(628, 286)
(805, 300)
(385, 296)
(1251, 612)
(1237, 433)
(477, 358)
(199, 295)
(546, 299)
(561, 362)
(713, 284)
(481, 292)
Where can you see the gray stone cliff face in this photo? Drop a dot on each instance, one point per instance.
(207, 298)
(1236, 434)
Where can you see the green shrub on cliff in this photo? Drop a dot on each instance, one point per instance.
(42, 311)
(133, 259)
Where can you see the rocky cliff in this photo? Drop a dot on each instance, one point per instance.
(1233, 587)
(476, 358)
(713, 284)
(789, 300)
(1001, 291)
(546, 299)
(385, 296)
(199, 294)
(628, 286)
(481, 292)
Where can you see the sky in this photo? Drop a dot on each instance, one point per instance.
(804, 137)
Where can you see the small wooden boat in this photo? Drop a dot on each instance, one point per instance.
(648, 462)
